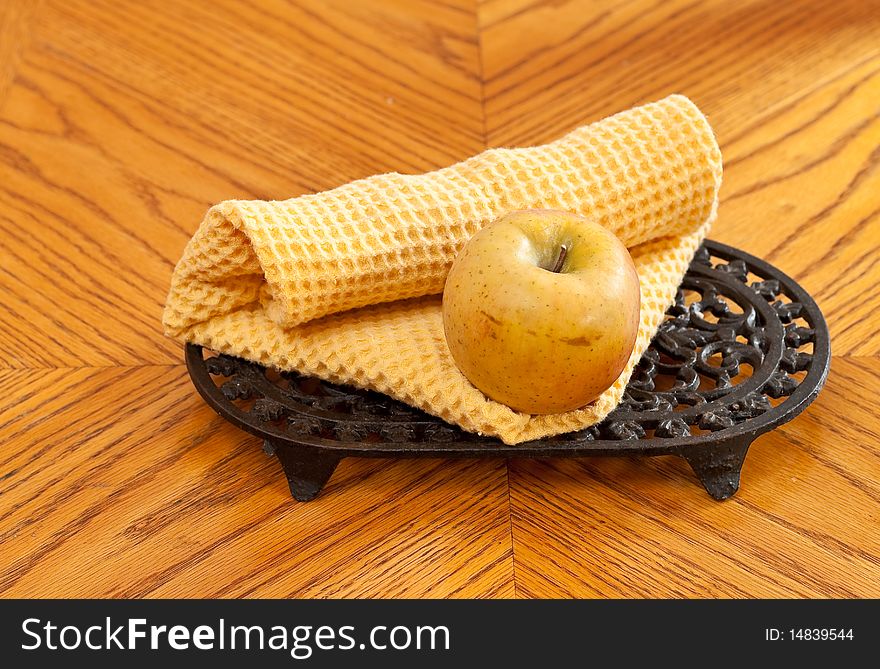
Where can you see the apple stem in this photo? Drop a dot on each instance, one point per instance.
(557, 267)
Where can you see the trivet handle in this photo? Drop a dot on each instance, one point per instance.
(307, 469)
(718, 466)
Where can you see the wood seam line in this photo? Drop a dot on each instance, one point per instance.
(485, 139)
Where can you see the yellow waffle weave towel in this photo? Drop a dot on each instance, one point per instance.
(345, 284)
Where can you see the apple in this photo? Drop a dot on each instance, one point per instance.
(541, 310)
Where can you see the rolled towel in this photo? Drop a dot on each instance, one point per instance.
(345, 284)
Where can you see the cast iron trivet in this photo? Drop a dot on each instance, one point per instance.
(744, 349)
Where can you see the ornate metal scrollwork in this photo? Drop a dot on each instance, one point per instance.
(743, 349)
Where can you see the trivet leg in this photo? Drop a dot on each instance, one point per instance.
(307, 469)
(718, 467)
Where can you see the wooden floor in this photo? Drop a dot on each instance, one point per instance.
(121, 122)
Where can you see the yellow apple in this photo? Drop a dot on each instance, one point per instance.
(541, 310)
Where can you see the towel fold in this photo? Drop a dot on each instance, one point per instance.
(345, 284)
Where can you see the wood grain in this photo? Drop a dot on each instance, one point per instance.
(791, 89)
(804, 523)
(121, 122)
(15, 30)
(126, 120)
(811, 170)
(120, 482)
